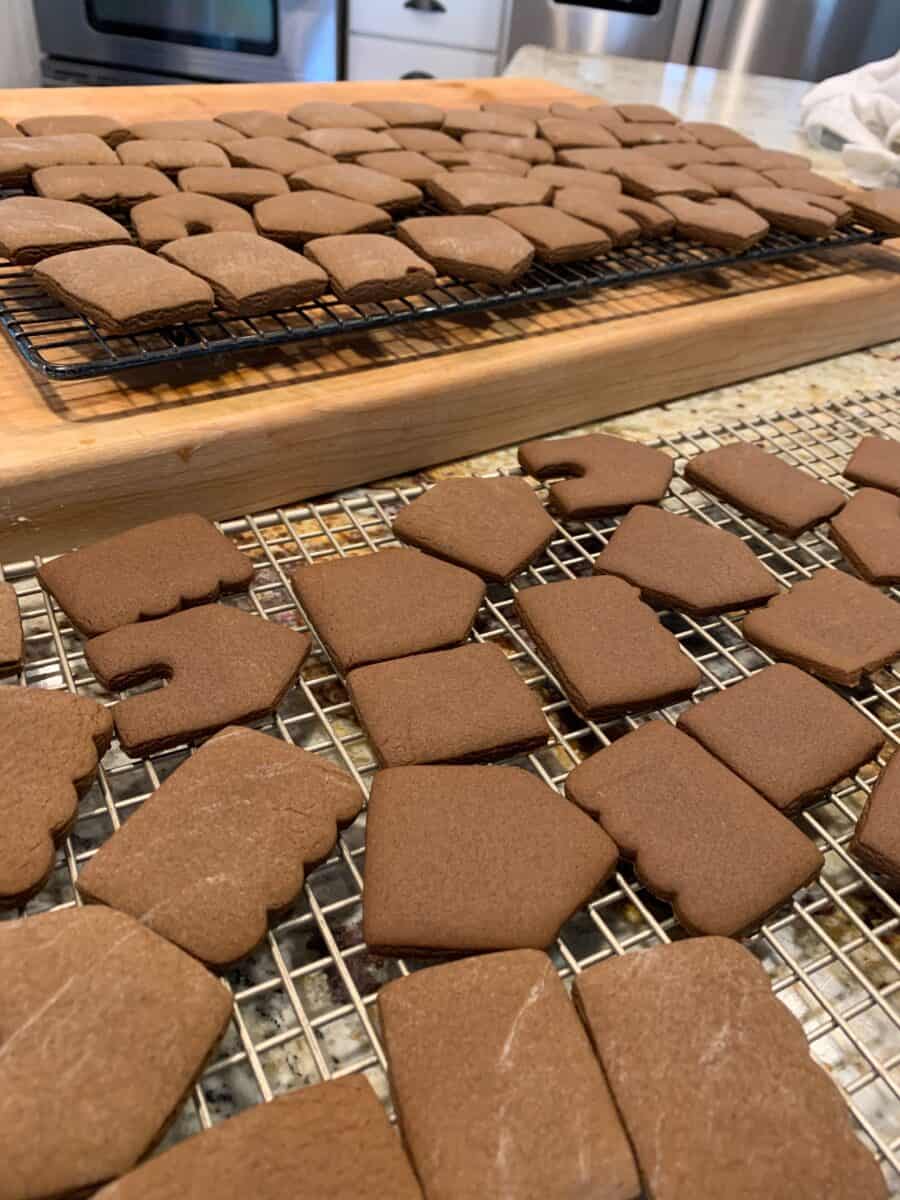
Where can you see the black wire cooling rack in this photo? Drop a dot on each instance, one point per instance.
(62, 345)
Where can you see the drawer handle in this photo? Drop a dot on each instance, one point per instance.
(432, 6)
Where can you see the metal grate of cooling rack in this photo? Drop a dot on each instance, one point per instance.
(303, 1002)
(62, 345)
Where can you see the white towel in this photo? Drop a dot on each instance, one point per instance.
(860, 112)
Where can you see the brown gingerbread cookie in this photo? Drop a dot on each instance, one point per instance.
(224, 841)
(12, 642)
(495, 527)
(876, 842)
(530, 111)
(359, 183)
(610, 473)
(245, 186)
(648, 133)
(833, 625)
(224, 667)
(110, 130)
(599, 112)
(463, 705)
(876, 463)
(593, 159)
(459, 121)
(867, 532)
(365, 267)
(787, 735)
(105, 187)
(279, 154)
(301, 216)
(473, 192)
(646, 112)
(248, 274)
(432, 605)
(681, 154)
(479, 160)
(196, 130)
(51, 745)
(565, 177)
(103, 1028)
(648, 183)
(726, 180)
(479, 249)
(33, 227)
(762, 485)
(624, 662)
(622, 218)
(480, 1054)
(715, 136)
(331, 1141)
(19, 157)
(145, 572)
(124, 289)
(259, 123)
(408, 165)
(878, 208)
(806, 213)
(347, 143)
(431, 830)
(564, 133)
(697, 834)
(557, 236)
(681, 563)
(184, 214)
(530, 150)
(758, 158)
(799, 179)
(409, 114)
(172, 154)
(330, 114)
(423, 140)
(723, 1099)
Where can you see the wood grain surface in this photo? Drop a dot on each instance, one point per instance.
(236, 434)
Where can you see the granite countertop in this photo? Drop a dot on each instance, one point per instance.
(766, 109)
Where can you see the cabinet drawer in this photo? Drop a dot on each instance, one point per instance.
(379, 58)
(461, 23)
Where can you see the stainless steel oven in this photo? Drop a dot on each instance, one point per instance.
(120, 41)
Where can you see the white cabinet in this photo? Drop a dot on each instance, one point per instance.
(381, 58)
(461, 24)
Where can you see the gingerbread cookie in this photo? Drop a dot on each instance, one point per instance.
(878, 208)
(867, 532)
(245, 186)
(715, 136)
(479, 160)
(602, 160)
(459, 121)
(12, 642)
(480, 1054)
(331, 1141)
(8, 130)
(124, 289)
(185, 214)
(876, 842)
(479, 249)
(359, 183)
(187, 865)
(402, 164)
(599, 113)
(104, 1027)
(495, 527)
(697, 834)
(647, 183)
(799, 179)
(463, 705)
(172, 155)
(806, 213)
(347, 143)
(145, 572)
(410, 114)
(429, 833)
(681, 154)
(366, 267)
(625, 663)
(833, 625)
(565, 134)
(111, 131)
(763, 486)
(611, 473)
(566, 177)
(788, 736)
(105, 187)
(875, 462)
(19, 157)
(726, 180)
(301, 216)
(329, 114)
(556, 236)
(259, 123)
(32, 228)
(757, 158)
(473, 192)
(680, 563)
(622, 218)
(51, 742)
(197, 130)
(646, 112)
(423, 140)
(433, 605)
(248, 274)
(648, 133)
(278, 154)
(723, 1099)
(530, 150)
(529, 112)
(224, 666)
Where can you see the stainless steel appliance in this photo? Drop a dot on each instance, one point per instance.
(799, 39)
(171, 41)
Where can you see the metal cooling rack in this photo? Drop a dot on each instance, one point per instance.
(304, 1001)
(61, 345)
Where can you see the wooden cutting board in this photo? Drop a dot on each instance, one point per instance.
(235, 434)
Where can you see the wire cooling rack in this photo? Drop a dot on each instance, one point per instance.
(304, 1001)
(61, 345)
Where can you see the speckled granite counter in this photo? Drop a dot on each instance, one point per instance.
(765, 108)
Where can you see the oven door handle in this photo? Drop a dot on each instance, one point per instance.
(432, 6)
